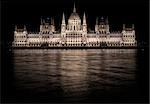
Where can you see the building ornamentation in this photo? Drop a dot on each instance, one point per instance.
(74, 33)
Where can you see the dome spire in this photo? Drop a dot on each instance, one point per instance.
(96, 20)
(107, 20)
(52, 21)
(63, 19)
(74, 9)
(133, 26)
(124, 27)
(84, 19)
(15, 27)
(41, 20)
(24, 28)
(102, 18)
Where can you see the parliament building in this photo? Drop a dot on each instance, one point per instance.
(74, 33)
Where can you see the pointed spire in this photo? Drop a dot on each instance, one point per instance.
(41, 21)
(74, 9)
(107, 20)
(133, 26)
(24, 28)
(52, 21)
(84, 19)
(96, 20)
(63, 19)
(15, 27)
(124, 27)
(48, 20)
(102, 20)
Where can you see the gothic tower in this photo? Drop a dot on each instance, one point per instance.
(52, 25)
(84, 25)
(103, 27)
(96, 25)
(63, 26)
(107, 26)
(45, 27)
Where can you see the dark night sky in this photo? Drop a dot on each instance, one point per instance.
(29, 12)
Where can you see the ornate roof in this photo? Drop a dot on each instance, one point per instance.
(74, 15)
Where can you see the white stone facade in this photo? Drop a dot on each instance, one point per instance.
(74, 33)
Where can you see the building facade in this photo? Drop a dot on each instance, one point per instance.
(74, 33)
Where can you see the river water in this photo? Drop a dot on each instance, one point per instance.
(77, 75)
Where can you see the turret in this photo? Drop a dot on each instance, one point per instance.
(52, 25)
(132, 26)
(103, 27)
(128, 34)
(96, 20)
(84, 25)
(20, 36)
(107, 20)
(25, 29)
(102, 19)
(41, 21)
(63, 26)
(15, 27)
(74, 9)
(107, 26)
(45, 27)
(52, 21)
(96, 25)
(124, 27)
(84, 19)
(63, 20)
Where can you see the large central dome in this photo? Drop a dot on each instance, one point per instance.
(74, 16)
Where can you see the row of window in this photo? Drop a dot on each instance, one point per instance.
(71, 35)
(73, 40)
(123, 44)
(115, 36)
(102, 32)
(73, 44)
(19, 36)
(129, 40)
(19, 41)
(129, 36)
(74, 28)
(46, 32)
(132, 44)
(33, 36)
(21, 45)
(102, 36)
(79, 41)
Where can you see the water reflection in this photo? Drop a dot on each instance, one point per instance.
(75, 74)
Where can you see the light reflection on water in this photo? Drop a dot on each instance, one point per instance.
(75, 73)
